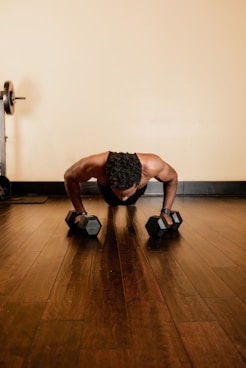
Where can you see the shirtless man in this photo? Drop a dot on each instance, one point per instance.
(122, 178)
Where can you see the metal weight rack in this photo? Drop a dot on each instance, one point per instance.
(7, 105)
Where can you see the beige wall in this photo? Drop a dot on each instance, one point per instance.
(163, 76)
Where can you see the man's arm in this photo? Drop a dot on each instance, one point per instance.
(72, 181)
(169, 178)
(170, 189)
(73, 191)
(79, 172)
(162, 171)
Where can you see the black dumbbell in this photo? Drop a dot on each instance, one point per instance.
(88, 225)
(157, 226)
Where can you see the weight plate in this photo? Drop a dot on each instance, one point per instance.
(9, 98)
(4, 188)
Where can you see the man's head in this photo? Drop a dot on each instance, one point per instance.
(123, 170)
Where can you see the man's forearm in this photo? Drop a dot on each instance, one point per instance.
(170, 189)
(73, 192)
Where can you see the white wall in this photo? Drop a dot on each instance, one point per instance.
(162, 76)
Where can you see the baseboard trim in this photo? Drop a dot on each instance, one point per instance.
(185, 188)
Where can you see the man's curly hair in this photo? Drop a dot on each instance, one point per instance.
(123, 170)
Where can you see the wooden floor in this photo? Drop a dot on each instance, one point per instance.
(123, 300)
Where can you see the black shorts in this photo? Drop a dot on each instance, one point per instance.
(113, 200)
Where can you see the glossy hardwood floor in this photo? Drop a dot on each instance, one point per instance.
(123, 299)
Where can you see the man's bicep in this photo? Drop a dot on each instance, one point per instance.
(166, 173)
(80, 171)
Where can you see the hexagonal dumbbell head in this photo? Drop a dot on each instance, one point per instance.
(90, 225)
(156, 226)
(70, 219)
(177, 220)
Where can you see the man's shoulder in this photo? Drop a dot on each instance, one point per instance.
(98, 158)
(151, 163)
(147, 157)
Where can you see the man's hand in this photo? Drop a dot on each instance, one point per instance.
(78, 218)
(168, 218)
